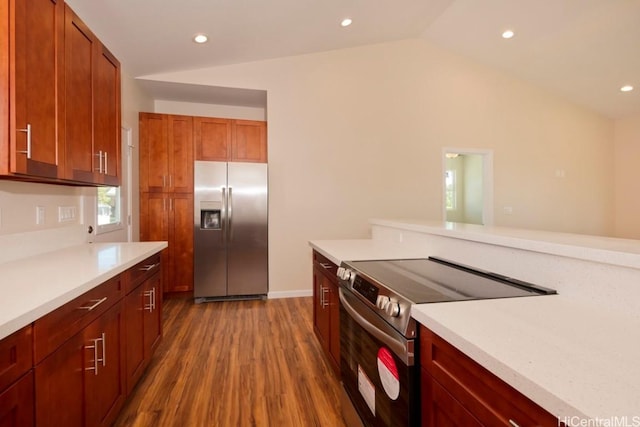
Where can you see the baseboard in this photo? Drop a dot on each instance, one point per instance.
(289, 294)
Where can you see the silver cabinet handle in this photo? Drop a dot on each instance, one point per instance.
(96, 302)
(325, 303)
(99, 156)
(93, 368)
(321, 296)
(104, 350)
(148, 267)
(148, 294)
(153, 300)
(170, 181)
(106, 168)
(513, 423)
(27, 130)
(326, 265)
(164, 181)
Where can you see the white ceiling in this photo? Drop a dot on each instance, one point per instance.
(583, 49)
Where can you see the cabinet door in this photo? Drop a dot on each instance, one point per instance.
(106, 116)
(104, 372)
(79, 45)
(152, 309)
(180, 139)
(59, 382)
(321, 304)
(154, 153)
(181, 244)
(16, 404)
(212, 139)
(249, 141)
(154, 226)
(36, 52)
(440, 409)
(134, 321)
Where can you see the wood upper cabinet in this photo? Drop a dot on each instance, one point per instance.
(212, 139)
(169, 216)
(249, 141)
(166, 153)
(230, 140)
(92, 114)
(31, 34)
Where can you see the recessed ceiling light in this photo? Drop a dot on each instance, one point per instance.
(200, 38)
(507, 34)
(626, 88)
(346, 22)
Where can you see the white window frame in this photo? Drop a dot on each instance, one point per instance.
(107, 228)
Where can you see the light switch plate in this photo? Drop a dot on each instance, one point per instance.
(66, 213)
(40, 212)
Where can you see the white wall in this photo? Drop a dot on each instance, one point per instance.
(209, 110)
(627, 180)
(358, 133)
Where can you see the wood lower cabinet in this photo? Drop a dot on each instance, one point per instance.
(83, 374)
(16, 403)
(16, 379)
(326, 308)
(169, 217)
(457, 391)
(143, 308)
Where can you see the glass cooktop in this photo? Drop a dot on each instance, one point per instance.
(436, 280)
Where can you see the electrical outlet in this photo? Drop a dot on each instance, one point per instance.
(40, 213)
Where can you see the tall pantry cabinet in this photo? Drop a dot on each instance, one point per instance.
(166, 193)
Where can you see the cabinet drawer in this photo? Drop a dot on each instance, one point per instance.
(325, 264)
(141, 272)
(16, 356)
(55, 328)
(492, 401)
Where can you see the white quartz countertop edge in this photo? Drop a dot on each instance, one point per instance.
(569, 359)
(34, 286)
(366, 249)
(608, 250)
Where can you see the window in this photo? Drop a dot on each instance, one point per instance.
(108, 209)
(450, 189)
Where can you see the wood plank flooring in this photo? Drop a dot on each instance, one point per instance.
(236, 363)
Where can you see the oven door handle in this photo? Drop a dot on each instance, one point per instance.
(396, 345)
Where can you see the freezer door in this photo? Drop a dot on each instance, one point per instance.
(210, 224)
(247, 245)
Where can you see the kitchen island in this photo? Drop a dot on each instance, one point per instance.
(574, 354)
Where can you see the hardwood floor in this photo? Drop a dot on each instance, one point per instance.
(236, 363)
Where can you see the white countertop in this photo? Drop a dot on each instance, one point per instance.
(569, 359)
(365, 249)
(34, 286)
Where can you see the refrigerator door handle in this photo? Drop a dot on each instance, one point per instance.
(223, 220)
(230, 213)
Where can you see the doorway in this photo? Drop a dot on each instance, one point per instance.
(467, 186)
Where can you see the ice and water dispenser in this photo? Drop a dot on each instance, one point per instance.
(210, 215)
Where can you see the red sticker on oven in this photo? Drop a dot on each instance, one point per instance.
(388, 372)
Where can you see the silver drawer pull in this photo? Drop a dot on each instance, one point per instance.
(513, 423)
(326, 265)
(27, 130)
(149, 267)
(96, 302)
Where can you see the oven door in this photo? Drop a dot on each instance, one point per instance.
(377, 366)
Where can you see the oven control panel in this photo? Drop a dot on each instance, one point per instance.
(366, 289)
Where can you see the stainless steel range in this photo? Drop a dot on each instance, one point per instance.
(378, 335)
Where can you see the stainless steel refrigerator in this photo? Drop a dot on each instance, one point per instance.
(230, 230)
